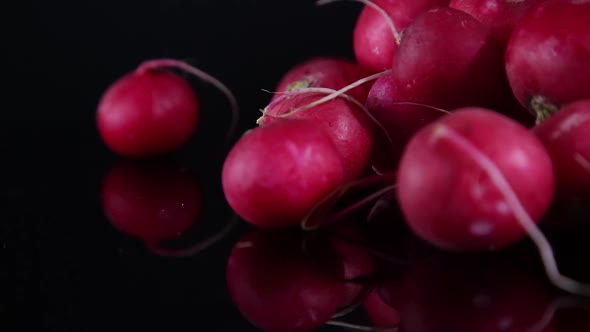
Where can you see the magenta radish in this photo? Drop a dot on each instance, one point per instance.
(486, 182)
(450, 200)
(501, 16)
(380, 313)
(448, 59)
(399, 118)
(548, 56)
(348, 125)
(276, 173)
(151, 111)
(152, 202)
(278, 287)
(566, 135)
(325, 72)
(377, 33)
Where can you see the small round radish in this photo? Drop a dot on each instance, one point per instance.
(276, 173)
(447, 197)
(380, 313)
(374, 41)
(151, 111)
(399, 118)
(278, 287)
(501, 16)
(448, 59)
(548, 56)
(566, 135)
(325, 72)
(152, 202)
(349, 127)
(147, 113)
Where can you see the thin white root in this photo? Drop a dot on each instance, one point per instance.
(547, 256)
(559, 303)
(396, 35)
(235, 110)
(356, 327)
(338, 93)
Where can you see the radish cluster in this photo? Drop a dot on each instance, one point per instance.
(472, 116)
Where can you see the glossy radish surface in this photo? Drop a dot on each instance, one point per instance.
(276, 173)
(448, 59)
(147, 113)
(548, 56)
(347, 124)
(447, 194)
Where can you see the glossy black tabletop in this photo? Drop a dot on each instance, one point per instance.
(81, 239)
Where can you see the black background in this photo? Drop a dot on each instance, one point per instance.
(65, 268)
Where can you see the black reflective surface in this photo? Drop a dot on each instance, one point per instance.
(93, 242)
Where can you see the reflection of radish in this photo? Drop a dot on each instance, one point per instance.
(278, 287)
(324, 72)
(548, 56)
(276, 173)
(448, 197)
(151, 201)
(463, 294)
(566, 136)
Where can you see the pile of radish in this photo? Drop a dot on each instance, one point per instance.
(472, 115)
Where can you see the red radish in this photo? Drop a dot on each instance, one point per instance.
(379, 28)
(276, 173)
(398, 117)
(325, 72)
(346, 122)
(463, 294)
(278, 287)
(548, 56)
(151, 201)
(501, 16)
(448, 59)
(150, 112)
(486, 181)
(566, 135)
(448, 198)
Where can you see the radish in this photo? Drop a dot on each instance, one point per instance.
(448, 59)
(379, 26)
(150, 112)
(566, 135)
(501, 16)
(325, 72)
(476, 180)
(278, 287)
(344, 120)
(380, 313)
(399, 118)
(463, 294)
(548, 56)
(276, 173)
(151, 201)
